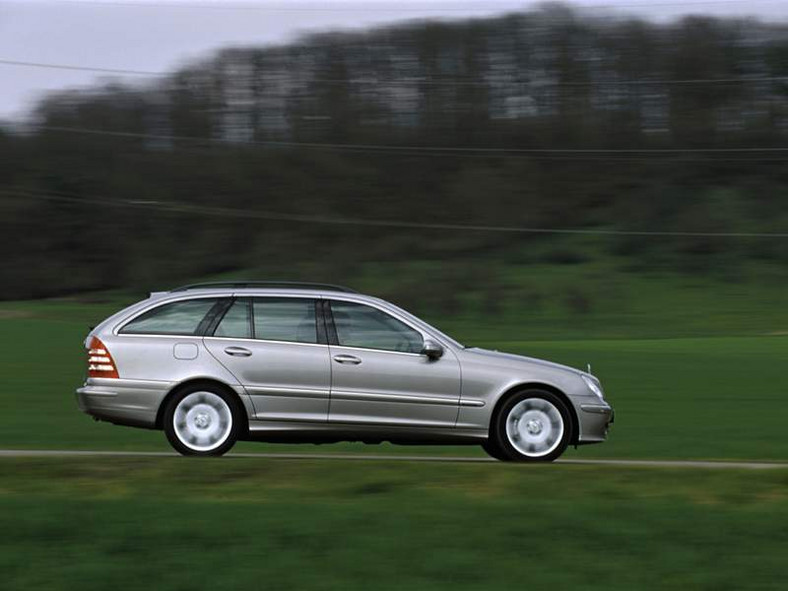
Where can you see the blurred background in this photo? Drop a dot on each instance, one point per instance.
(527, 165)
(597, 182)
(483, 156)
(566, 181)
(569, 181)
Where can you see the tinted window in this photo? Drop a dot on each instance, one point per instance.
(177, 318)
(285, 319)
(363, 326)
(237, 322)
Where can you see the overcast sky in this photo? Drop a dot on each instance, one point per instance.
(159, 35)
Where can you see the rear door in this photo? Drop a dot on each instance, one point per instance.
(274, 348)
(380, 377)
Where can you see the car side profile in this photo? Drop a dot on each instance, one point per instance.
(211, 364)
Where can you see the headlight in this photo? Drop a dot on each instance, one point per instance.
(593, 385)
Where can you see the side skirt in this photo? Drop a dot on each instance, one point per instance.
(303, 432)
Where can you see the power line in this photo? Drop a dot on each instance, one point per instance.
(413, 149)
(420, 80)
(176, 207)
(556, 158)
(80, 68)
(179, 207)
(214, 142)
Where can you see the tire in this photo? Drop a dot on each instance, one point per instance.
(202, 420)
(532, 426)
(494, 451)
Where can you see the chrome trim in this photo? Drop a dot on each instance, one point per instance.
(285, 392)
(246, 340)
(111, 383)
(285, 418)
(156, 336)
(404, 398)
(472, 402)
(376, 350)
(261, 292)
(96, 391)
(596, 408)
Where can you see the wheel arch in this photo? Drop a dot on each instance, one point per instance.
(201, 381)
(511, 391)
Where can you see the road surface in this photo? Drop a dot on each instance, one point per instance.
(718, 465)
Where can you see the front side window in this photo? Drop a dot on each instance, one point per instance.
(177, 318)
(285, 319)
(363, 326)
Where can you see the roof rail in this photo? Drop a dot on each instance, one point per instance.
(266, 284)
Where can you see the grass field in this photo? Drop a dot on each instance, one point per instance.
(171, 523)
(690, 376)
(699, 397)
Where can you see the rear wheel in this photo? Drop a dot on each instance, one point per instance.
(202, 421)
(494, 451)
(532, 426)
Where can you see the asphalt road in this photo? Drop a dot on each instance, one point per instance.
(718, 465)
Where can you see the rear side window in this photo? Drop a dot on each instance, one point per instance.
(177, 318)
(285, 319)
(237, 322)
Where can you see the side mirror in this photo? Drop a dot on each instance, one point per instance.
(432, 350)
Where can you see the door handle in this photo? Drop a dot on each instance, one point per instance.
(351, 359)
(238, 352)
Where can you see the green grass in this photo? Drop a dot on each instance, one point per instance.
(707, 396)
(602, 297)
(238, 523)
(597, 299)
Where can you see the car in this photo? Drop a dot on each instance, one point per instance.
(211, 364)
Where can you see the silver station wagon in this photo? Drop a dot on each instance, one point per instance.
(212, 364)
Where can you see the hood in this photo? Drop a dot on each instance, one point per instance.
(510, 359)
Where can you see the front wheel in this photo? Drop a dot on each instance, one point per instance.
(532, 426)
(202, 421)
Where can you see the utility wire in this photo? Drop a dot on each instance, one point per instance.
(176, 207)
(6, 62)
(669, 159)
(414, 149)
(421, 81)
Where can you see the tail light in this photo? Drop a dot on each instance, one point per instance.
(100, 362)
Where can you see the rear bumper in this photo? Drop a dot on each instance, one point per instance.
(124, 402)
(595, 421)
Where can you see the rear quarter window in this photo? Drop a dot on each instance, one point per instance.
(177, 318)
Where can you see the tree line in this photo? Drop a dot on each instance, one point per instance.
(285, 159)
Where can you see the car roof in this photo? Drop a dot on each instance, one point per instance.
(266, 285)
(251, 291)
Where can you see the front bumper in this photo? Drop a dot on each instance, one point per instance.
(595, 421)
(124, 402)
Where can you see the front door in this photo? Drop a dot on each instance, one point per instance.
(272, 346)
(380, 377)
